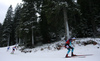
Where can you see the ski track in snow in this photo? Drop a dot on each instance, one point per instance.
(51, 55)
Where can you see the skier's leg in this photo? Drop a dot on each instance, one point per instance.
(72, 51)
(13, 51)
(67, 52)
(71, 48)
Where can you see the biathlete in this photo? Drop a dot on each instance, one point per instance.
(13, 49)
(8, 48)
(68, 45)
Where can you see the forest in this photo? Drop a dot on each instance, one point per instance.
(37, 22)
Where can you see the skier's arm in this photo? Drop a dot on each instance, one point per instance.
(73, 44)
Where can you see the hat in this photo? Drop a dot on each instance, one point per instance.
(73, 38)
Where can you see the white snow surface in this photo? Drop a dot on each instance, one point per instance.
(53, 54)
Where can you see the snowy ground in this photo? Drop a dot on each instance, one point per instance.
(52, 54)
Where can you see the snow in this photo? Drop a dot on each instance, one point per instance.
(53, 54)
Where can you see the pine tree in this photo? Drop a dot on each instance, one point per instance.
(16, 21)
(89, 9)
(1, 42)
(7, 27)
(71, 13)
(0, 32)
(28, 20)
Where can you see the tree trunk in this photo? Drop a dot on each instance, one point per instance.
(94, 28)
(32, 38)
(19, 41)
(66, 23)
(16, 40)
(8, 39)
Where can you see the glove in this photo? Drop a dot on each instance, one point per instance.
(67, 46)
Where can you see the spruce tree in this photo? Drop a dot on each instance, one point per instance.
(28, 20)
(16, 21)
(0, 32)
(89, 10)
(7, 27)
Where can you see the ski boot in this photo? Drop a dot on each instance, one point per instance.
(67, 56)
(73, 54)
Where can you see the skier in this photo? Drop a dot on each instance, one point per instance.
(13, 49)
(68, 45)
(8, 48)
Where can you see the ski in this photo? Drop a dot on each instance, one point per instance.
(85, 55)
(75, 57)
(79, 56)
